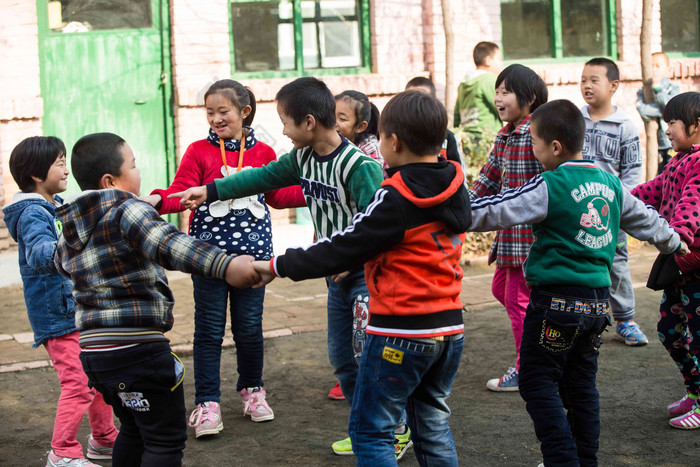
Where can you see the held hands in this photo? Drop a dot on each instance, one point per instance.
(266, 275)
(683, 250)
(340, 276)
(240, 272)
(192, 197)
(153, 200)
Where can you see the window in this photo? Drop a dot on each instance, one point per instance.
(679, 26)
(535, 29)
(90, 15)
(299, 35)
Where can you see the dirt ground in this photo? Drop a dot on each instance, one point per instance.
(490, 429)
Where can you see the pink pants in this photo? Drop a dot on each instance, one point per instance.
(510, 289)
(76, 398)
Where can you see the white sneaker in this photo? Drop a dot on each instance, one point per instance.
(52, 460)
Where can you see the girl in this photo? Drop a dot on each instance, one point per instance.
(358, 120)
(240, 226)
(38, 165)
(674, 193)
(519, 91)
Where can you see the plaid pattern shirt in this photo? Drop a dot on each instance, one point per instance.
(114, 248)
(511, 164)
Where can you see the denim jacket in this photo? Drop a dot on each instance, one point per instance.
(32, 223)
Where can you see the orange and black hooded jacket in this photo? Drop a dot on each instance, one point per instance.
(410, 241)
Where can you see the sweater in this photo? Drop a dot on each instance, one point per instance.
(475, 111)
(654, 110)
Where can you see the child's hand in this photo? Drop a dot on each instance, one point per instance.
(240, 272)
(340, 276)
(683, 250)
(266, 275)
(153, 200)
(192, 197)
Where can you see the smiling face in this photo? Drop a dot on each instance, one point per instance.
(346, 121)
(224, 117)
(56, 180)
(299, 134)
(678, 135)
(508, 107)
(596, 89)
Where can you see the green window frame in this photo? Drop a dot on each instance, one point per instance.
(557, 46)
(674, 22)
(297, 22)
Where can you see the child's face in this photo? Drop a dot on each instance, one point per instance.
(508, 107)
(224, 117)
(346, 122)
(660, 68)
(680, 140)
(130, 178)
(299, 134)
(56, 180)
(596, 89)
(543, 151)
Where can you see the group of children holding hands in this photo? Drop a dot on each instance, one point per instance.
(390, 209)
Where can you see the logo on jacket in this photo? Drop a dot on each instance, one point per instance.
(598, 215)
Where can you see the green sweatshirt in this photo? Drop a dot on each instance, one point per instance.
(475, 111)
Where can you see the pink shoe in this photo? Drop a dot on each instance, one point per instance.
(206, 419)
(255, 405)
(97, 450)
(689, 421)
(336, 393)
(682, 406)
(52, 460)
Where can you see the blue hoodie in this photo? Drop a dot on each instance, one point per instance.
(32, 224)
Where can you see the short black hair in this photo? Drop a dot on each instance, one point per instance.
(612, 72)
(308, 96)
(482, 50)
(560, 120)
(33, 157)
(95, 155)
(421, 82)
(684, 107)
(526, 84)
(417, 119)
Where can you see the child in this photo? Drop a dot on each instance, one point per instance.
(357, 120)
(38, 165)
(410, 239)
(519, 91)
(674, 194)
(475, 112)
(450, 148)
(576, 210)
(338, 181)
(612, 142)
(241, 227)
(663, 91)
(114, 247)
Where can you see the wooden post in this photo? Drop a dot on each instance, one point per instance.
(450, 88)
(651, 127)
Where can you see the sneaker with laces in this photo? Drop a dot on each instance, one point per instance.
(336, 393)
(682, 406)
(255, 405)
(507, 383)
(206, 419)
(403, 444)
(689, 421)
(97, 450)
(630, 333)
(52, 460)
(343, 447)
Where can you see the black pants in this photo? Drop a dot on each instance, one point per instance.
(143, 384)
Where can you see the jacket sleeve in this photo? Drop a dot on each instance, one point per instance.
(163, 243)
(289, 197)
(452, 151)
(650, 192)
(630, 156)
(643, 222)
(189, 174)
(488, 182)
(686, 215)
(364, 181)
(457, 118)
(647, 111)
(377, 229)
(39, 236)
(523, 205)
(277, 174)
(668, 90)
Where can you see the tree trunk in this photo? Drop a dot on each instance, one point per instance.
(650, 127)
(450, 88)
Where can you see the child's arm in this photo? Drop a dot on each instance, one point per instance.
(630, 156)
(648, 111)
(363, 183)
(189, 174)
(650, 192)
(289, 197)
(523, 205)
(643, 222)
(667, 90)
(39, 235)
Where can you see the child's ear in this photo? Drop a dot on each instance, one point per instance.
(245, 111)
(362, 126)
(395, 142)
(107, 181)
(614, 85)
(310, 122)
(692, 129)
(557, 148)
(36, 179)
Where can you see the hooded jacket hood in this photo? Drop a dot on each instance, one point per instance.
(21, 201)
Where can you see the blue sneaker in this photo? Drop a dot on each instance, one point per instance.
(630, 333)
(508, 383)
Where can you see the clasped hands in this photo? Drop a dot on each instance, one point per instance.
(245, 271)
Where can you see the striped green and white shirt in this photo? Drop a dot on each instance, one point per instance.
(336, 186)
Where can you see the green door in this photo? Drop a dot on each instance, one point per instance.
(105, 66)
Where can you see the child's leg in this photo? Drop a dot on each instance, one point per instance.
(210, 299)
(246, 326)
(75, 396)
(621, 291)
(102, 421)
(517, 298)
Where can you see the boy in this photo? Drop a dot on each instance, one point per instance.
(612, 142)
(410, 239)
(338, 181)
(114, 248)
(450, 148)
(576, 210)
(664, 90)
(475, 112)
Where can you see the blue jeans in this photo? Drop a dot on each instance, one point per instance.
(143, 384)
(210, 300)
(558, 366)
(348, 313)
(415, 374)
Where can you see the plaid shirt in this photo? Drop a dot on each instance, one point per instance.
(114, 248)
(511, 164)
